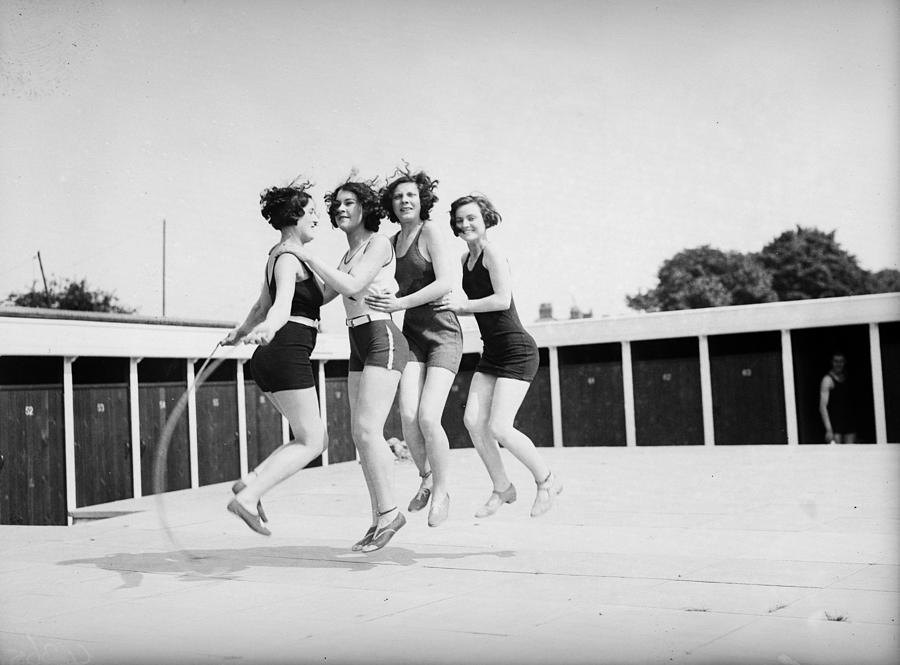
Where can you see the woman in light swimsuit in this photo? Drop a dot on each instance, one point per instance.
(378, 350)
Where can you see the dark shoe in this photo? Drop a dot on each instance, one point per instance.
(358, 545)
(383, 536)
(496, 500)
(239, 487)
(546, 492)
(420, 500)
(439, 511)
(234, 506)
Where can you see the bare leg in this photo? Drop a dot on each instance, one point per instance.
(409, 393)
(301, 408)
(507, 398)
(353, 379)
(438, 382)
(369, 410)
(477, 419)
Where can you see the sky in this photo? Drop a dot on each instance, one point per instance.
(609, 135)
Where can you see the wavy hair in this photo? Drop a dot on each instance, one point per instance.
(366, 195)
(283, 206)
(488, 213)
(425, 185)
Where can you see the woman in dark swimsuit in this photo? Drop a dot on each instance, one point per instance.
(509, 360)
(426, 271)
(284, 323)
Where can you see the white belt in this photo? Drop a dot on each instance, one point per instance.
(366, 318)
(304, 321)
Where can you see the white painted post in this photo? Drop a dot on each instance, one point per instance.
(790, 399)
(555, 398)
(877, 383)
(69, 435)
(134, 404)
(242, 418)
(706, 396)
(192, 425)
(628, 389)
(323, 407)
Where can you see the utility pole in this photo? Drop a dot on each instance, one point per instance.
(164, 268)
(43, 277)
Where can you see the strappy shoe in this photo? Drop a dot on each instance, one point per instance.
(496, 500)
(420, 500)
(238, 487)
(383, 536)
(546, 492)
(234, 506)
(438, 512)
(359, 544)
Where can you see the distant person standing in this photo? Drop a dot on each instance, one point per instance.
(836, 403)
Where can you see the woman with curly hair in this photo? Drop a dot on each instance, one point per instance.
(284, 323)
(509, 359)
(426, 272)
(378, 350)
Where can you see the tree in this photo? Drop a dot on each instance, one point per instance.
(809, 263)
(706, 277)
(884, 281)
(69, 295)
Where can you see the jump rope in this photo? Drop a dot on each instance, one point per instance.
(185, 557)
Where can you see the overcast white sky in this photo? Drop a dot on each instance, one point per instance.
(609, 134)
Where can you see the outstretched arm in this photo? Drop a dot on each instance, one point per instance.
(446, 275)
(287, 269)
(498, 269)
(349, 284)
(256, 314)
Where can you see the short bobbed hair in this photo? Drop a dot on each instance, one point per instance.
(368, 199)
(283, 206)
(488, 213)
(427, 197)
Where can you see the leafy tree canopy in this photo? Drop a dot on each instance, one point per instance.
(808, 263)
(69, 294)
(706, 277)
(798, 264)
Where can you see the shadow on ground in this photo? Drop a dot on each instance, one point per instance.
(195, 565)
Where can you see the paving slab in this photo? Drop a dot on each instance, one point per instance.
(763, 554)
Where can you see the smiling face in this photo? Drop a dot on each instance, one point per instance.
(347, 212)
(469, 223)
(308, 224)
(406, 204)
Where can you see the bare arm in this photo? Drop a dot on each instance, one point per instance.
(349, 284)
(498, 269)
(287, 269)
(446, 275)
(824, 395)
(256, 314)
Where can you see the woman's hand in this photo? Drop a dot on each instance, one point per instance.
(384, 302)
(294, 247)
(232, 338)
(261, 334)
(452, 302)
